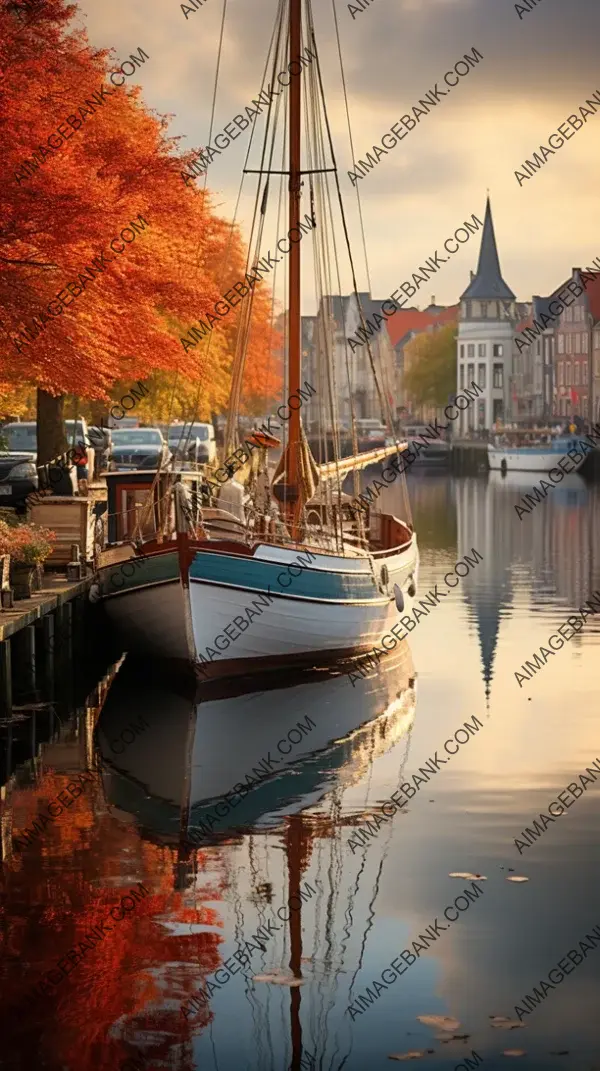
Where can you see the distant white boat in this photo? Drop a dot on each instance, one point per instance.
(522, 456)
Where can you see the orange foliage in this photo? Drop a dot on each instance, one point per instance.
(117, 166)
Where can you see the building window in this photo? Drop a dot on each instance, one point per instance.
(578, 342)
(471, 372)
(484, 309)
(584, 373)
(498, 376)
(481, 349)
(497, 350)
(462, 375)
(576, 373)
(568, 314)
(468, 310)
(561, 374)
(597, 339)
(462, 353)
(584, 342)
(481, 414)
(569, 343)
(567, 373)
(561, 343)
(481, 376)
(471, 350)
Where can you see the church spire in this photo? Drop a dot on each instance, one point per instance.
(488, 282)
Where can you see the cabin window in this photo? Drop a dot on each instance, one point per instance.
(498, 376)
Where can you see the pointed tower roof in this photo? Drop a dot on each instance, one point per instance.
(488, 282)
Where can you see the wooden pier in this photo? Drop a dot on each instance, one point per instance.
(37, 636)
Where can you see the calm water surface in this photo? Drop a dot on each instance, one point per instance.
(165, 757)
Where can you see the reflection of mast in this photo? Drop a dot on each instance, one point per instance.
(294, 858)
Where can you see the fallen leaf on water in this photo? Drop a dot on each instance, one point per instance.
(514, 1052)
(413, 1055)
(518, 877)
(502, 1023)
(467, 877)
(445, 1038)
(441, 1022)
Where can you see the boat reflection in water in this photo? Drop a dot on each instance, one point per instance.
(284, 844)
(286, 742)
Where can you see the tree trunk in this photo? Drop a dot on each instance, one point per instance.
(51, 438)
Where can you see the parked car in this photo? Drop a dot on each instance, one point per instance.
(192, 442)
(18, 472)
(22, 435)
(138, 448)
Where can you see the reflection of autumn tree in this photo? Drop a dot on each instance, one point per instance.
(65, 885)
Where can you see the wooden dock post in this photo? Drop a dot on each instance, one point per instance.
(6, 699)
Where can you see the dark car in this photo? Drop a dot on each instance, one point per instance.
(137, 448)
(18, 477)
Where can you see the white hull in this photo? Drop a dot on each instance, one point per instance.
(337, 608)
(290, 626)
(525, 460)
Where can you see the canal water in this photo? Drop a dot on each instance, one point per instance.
(311, 919)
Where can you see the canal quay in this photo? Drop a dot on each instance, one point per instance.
(350, 870)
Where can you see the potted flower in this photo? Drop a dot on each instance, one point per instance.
(30, 546)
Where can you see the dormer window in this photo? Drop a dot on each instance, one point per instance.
(484, 310)
(468, 310)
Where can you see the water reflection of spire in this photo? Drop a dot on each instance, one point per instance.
(484, 523)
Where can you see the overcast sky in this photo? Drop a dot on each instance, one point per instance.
(535, 72)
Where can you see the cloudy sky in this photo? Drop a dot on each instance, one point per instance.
(536, 71)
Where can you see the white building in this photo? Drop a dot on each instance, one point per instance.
(486, 326)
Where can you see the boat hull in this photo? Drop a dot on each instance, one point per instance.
(145, 606)
(238, 613)
(254, 612)
(529, 459)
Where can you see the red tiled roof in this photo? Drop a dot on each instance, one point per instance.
(405, 320)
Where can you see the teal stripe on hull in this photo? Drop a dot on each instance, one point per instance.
(139, 572)
(252, 574)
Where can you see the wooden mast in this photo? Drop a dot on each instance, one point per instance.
(294, 499)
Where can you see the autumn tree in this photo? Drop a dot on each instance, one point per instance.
(121, 311)
(430, 366)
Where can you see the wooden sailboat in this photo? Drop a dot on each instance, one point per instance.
(302, 577)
